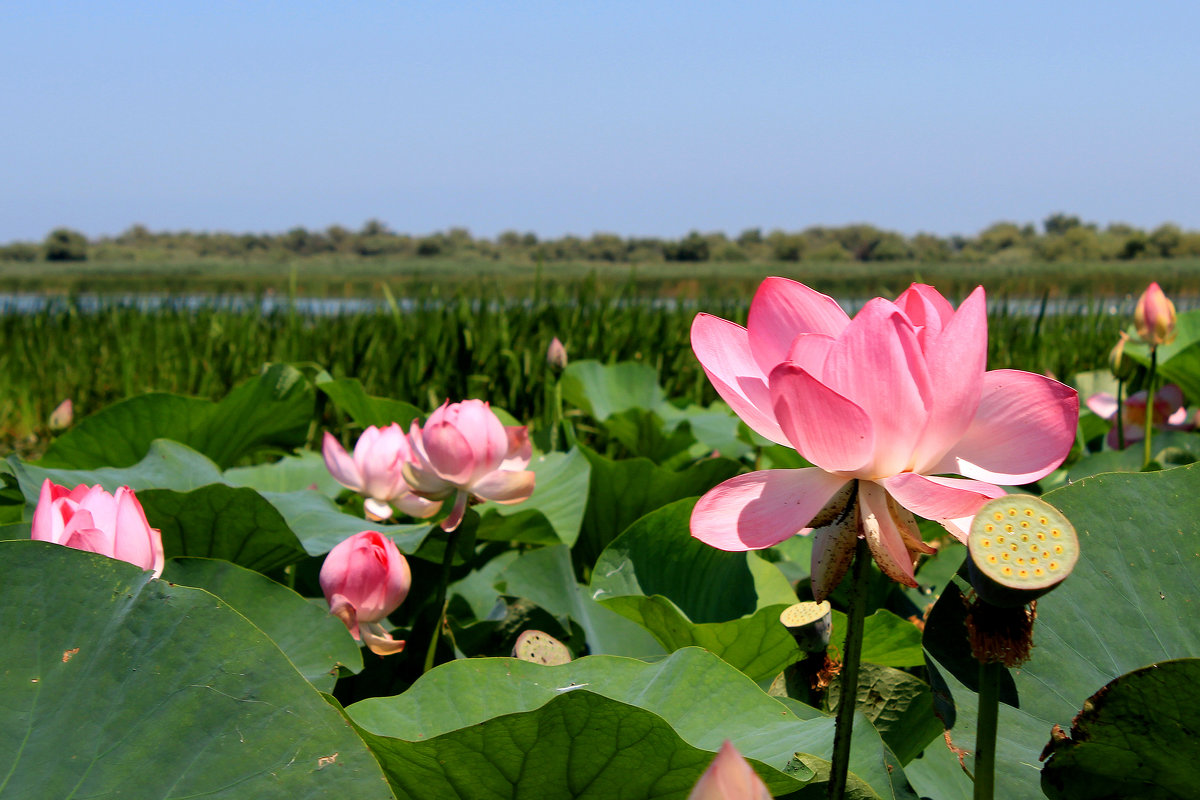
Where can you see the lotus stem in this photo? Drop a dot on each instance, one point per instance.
(440, 603)
(1147, 453)
(852, 653)
(1120, 415)
(985, 731)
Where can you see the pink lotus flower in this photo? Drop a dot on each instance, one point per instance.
(729, 777)
(376, 470)
(892, 401)
(89, 518)
(1154, 317)
(465, 451)
(1169, 413)
(364, 579)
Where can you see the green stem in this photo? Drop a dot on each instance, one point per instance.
(441, 603)
(985, 730)
(851, 655)
(1150, 407)
(556, 415)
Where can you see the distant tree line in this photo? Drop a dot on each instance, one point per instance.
(1063, 237)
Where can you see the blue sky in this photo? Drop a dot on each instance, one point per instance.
(637, 118)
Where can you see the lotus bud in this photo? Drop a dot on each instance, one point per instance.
(729, 777)
(1121, 365)
(89, 518)
(1155, 317)
(556, 355)
(364, 579)
(62, 416)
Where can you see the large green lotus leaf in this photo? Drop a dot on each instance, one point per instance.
(119, 685)
(478, 588)
(460, 694)
(320, 525)
(1134, 740)
(545, 577)
(219, 521)
(561, 480)
(687, 593)
(606, 389)
(305, 470)
(622, 491)
(1128, 603)
(273, 409)
(316, 642)
(888, 640)
(350, 396)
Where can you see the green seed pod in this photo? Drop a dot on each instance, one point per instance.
(1020, 548)
(540, 648)
(810, 625)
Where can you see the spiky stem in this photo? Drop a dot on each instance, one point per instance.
(851, 656)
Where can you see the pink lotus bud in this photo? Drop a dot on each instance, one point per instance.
(729, 777)
(465, 451)
(89, 518)
(1155, 317)
(1120, 365)
(364, 579)
(556, 354)
(62, 416)
(376, 470)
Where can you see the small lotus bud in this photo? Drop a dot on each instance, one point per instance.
(729, 777)
(1121, 365)
(1155, 317)
(556, 354)
(62, 416)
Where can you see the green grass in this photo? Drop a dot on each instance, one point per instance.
(464, 344)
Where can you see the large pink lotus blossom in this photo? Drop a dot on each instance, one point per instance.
(89, 518)
(364, 579)
(729, 777)
(376, 470)
(885, 405)
(464, 451)
(1169, 413)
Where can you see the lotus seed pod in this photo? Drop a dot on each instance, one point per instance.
(1020, 548)
(810, 624)
(541, 648)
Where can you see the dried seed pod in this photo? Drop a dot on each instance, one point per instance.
(810, 624)
(540, 648)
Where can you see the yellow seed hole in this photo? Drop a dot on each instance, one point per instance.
(999, 540)
(1058, 549)
(1029, 512)
(1039, 572)
(1020, 560)
(1007, 570)
(1024, 537)
(991, 559)
(1012, 547)
(1053, 565)
(989, 527)
(1033, 560)
(1043, 521)
(1012, 512)
(1004, 556)
(1041, 536)
(1056, 533)
(1024, 523)
(997, 516)
(1008, 527)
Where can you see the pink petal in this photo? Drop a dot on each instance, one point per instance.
(783, 309)
(927, 309)
(457, 511)
(809, 351)
(941, 499)
(520, 449)
(45, 514)
(723, 350)
(1023, 429)
(377, 510)
(339, 463)
(830, 431)
(761, 509)
(378, 640)
(956, 359)
(449, 452)
(1103, 405)
(878, 364)
(134, 540)
(505, 486)
(729, 777)
(882, 535)
(414, 505)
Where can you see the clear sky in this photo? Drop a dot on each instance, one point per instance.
(638, 118)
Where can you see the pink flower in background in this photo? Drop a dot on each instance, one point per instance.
(729, 777)
(89, 518)
(894, 400)
(1169, 413)
(1154, 317)
(376, 471)
(62, 416)
(364, 579)
(465, 451)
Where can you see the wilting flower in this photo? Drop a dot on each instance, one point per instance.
(883, 405)
(1169, 413)
(465, 451)
(729, 777)
(376, 470)
(89, 518)
(364, 579)
(1154, 317)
